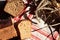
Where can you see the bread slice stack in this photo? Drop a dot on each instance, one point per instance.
(25, 29)
(14, 7)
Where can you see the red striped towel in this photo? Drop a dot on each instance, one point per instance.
(42, 34)
(39, 34)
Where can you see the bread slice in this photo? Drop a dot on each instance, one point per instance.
(14, 7)
(8, 32)
(25, 29)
